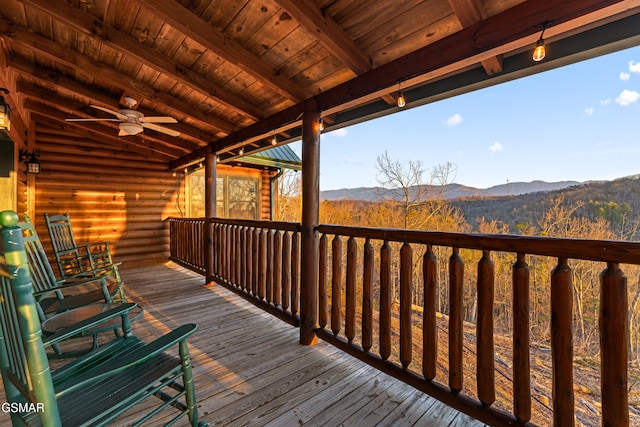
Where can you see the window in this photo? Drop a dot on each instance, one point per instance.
(236, 196)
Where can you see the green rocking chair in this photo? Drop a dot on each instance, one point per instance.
(97, 388)
(56, 295)
(73, 259)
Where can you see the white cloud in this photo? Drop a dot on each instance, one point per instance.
(624, 76)
(340, 133)
(634, 67)
(454, 120)
(495, 147)
(589, 111)
(606, 101)
(627, 97)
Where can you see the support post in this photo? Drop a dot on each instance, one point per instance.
(310, 218)
(209, 212)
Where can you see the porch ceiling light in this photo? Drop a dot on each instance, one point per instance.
(33, 165)
(540, 51)
(5, 112)
(131, 128)
(401, 101)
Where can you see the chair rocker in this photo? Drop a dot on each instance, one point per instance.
(97, 388)
(56, 295)
(73, 259)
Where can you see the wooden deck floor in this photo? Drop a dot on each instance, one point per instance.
(250, 369)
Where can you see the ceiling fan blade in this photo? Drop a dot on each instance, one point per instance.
(159, 119)
(91, 120)
(161, 129)
(107, 110)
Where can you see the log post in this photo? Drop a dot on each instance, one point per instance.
(614, 346)
(210, 212)
(562, 344)
(310, 219)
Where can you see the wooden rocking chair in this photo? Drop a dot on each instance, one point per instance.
(72, 258)
(56, 295)
(96, 388)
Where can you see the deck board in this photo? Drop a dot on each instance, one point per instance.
(250, 369)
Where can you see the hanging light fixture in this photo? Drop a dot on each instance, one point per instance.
(540, 51)
(320, 125)
(31, 160)
(5, 111)
(274, 140)
(241, 152)
(401, 101)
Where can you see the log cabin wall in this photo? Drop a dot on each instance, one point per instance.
(111, 194)
(114, 194)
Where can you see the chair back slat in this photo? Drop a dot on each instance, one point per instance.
(61, 232)
(40, 268)
(23, 360)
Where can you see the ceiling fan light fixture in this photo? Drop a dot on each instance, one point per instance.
(131, 128)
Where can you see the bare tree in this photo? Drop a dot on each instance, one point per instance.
(289, 194)
(420, 200)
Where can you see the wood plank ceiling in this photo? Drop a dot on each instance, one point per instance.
(236, 72)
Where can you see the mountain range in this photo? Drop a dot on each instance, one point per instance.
(450, 191)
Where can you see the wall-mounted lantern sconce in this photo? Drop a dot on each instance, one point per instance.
(31, 160)
(5, 112)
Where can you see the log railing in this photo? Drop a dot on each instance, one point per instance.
(187, 242)
(261, 260)
(367, 281)
(407, 259)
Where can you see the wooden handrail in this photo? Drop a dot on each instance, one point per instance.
(584, 249)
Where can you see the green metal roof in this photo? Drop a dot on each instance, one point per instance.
(281, 157)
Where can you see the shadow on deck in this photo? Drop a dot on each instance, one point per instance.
(250, 369)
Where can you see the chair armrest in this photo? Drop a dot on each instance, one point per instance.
(98, 273)
(121, 310)
(63, 284)
(137, 356)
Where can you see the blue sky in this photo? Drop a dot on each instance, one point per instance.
(580, 123)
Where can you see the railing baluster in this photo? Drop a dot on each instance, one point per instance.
(521, 341)
(238, 256)
(367, 297)
(456, 337)
(277, 267)
(295, 273)
(249, 256)
(336, 284)
(269, 267)
(562, 344)
(614, 346)
(485, 366)
(385, 301)
(262, 265)
(286, 270)
(323, 302)
(243, 260)
(429, 325)
(256, 262)
(350, 312)
(406, 298)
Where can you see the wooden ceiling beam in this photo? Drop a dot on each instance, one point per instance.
(328, 33)
(17, 35)
(468, 13)
(214, 40)
(74, 18)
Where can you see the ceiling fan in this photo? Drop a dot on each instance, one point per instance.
(132, 122)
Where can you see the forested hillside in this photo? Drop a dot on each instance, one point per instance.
(617, 201)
